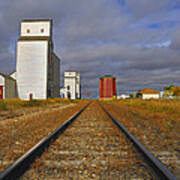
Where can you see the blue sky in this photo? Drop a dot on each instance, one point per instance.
(137, 41)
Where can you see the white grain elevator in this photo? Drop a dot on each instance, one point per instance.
(72, 85)
(38, 68)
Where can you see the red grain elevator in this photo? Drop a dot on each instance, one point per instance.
(107, 87)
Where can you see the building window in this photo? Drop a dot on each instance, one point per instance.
(42, 30)
(28, 30)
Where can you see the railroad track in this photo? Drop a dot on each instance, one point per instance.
(92, 147)
(149, 134)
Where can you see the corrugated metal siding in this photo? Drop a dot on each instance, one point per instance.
(32, 68)
(101, 88)
(10, 88)
(107, 88)
(1, 92)
(2, 84)
(2, 81)
(72, 79)
(71, 82)
(78, 86)
(114, 88)
(56, 75)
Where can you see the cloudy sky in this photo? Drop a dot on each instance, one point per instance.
(138, 41)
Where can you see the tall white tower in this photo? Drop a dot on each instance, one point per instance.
(72, 85)
(38, 68)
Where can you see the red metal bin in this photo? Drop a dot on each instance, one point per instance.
(107, 88)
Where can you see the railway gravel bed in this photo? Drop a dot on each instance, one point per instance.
(18, 135)
(165, 146)
(91, 148)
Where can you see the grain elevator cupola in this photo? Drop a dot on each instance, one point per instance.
(38, 68)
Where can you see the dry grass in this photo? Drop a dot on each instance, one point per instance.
(160, 105)
(156, 123)
(165, 113)
(11, 104)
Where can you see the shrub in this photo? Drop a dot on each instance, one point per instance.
(33, 103)
(3, 106)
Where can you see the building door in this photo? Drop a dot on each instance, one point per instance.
(1, 92)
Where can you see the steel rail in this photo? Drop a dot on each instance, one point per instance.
(15, 170)
(156, 165)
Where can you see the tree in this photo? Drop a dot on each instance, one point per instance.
(138, 93)
(167, 88)
(176, 91)
(172, 91)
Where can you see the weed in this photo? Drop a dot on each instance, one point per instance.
(170, 125)
(33, 103)
(3, 106)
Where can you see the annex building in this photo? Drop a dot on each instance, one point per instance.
(7, 87)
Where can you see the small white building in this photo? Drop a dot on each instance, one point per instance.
(7, 87)
(72, 85)
(123, 96)
(149, 94)
(38, 68)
